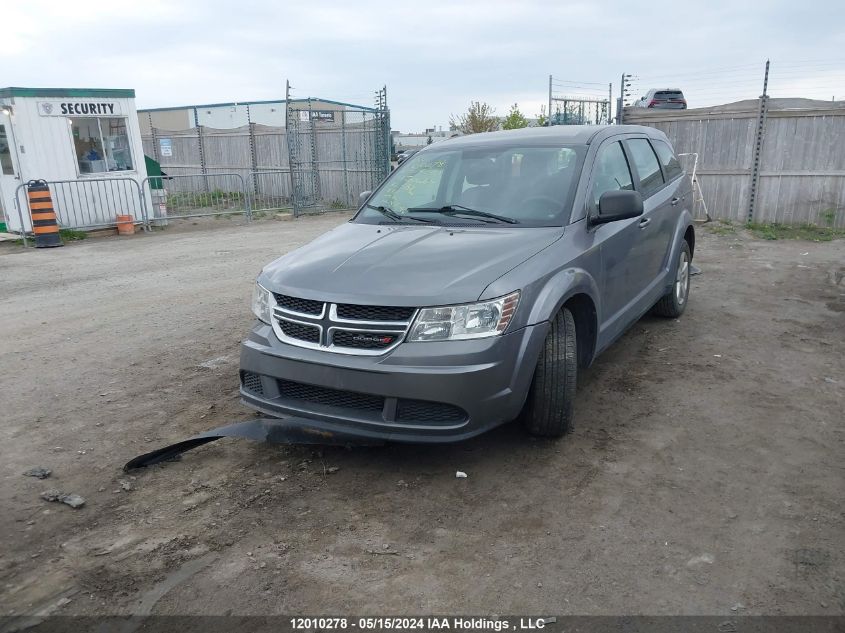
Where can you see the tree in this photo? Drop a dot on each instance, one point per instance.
(479, 118)
(541, 118)
(515, 119)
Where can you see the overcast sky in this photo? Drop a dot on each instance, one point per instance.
(434, 56)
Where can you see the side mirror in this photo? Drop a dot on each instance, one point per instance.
(363, 197)
(618, 205)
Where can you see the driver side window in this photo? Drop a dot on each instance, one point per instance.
(611, 171)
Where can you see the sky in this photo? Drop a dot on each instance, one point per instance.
(435, 57)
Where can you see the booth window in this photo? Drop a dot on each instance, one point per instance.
(101, 144)
(5, 153)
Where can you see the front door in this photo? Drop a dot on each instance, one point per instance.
(9, 175)
(621, 278)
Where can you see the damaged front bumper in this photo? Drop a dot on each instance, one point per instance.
(418, 392)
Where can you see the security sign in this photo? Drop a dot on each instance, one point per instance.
(78, 108)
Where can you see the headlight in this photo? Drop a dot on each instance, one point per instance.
(262, 303)
(473, 320)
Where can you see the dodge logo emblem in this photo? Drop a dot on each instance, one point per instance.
(372, 338)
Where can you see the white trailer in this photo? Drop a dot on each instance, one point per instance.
(85, 142)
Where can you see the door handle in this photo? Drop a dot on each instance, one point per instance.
(644, 222)
(675, 201)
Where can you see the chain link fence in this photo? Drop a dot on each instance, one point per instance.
(320, 160)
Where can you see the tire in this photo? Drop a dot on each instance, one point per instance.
(674, 302)
(548, 410)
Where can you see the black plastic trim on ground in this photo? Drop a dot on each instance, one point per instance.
(271, 430)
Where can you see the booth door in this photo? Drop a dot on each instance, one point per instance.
(9, 176)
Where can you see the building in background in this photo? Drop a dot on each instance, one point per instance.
(226, 116)
(416, 141)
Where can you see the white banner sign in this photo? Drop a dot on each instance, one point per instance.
(78, 108)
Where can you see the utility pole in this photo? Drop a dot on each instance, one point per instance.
(549, 118)
(623, 93)
(758, 146)
(609, 103)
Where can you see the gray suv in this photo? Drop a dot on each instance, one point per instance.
(472, 285)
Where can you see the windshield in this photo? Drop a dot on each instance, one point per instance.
(528, 185)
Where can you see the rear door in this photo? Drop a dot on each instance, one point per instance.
(655, 225)
(678, 193)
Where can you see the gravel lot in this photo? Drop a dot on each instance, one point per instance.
(705, 475)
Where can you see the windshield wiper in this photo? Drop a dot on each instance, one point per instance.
(390, 213)
(459, 209)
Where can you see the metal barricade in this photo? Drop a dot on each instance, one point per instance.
(270, 190)
(196, 195)
(87, 203)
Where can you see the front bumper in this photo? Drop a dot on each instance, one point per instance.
(418, 392)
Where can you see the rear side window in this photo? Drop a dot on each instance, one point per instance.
(671, 167)
(647, 166)
(612, 172)
(668, 94)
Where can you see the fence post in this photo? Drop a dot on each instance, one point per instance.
(155, 140)
(253, 155)
(758, 148)
(203, 166)
(386, 157)
(201, 147)
(290, 136)
(343, 145)
(315, 163)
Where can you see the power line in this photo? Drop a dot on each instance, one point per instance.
(808, 61)
(577, 83)
(720, 71)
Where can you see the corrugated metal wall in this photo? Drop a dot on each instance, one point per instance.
(802, 170)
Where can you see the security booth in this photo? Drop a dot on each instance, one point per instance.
(86, 145)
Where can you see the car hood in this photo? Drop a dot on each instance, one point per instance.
(404, 265)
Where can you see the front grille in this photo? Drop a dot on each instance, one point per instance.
(421, 411)
(304, 306)
(330, 397)
(308, 333)
(373, 313)
(363, 340)
(343, 328)
(252, 382)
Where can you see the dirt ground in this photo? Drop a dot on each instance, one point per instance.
(705, 476)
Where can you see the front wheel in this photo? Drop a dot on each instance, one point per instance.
(548, 410)
(674, 302)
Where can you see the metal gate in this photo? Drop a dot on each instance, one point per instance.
(335, 154)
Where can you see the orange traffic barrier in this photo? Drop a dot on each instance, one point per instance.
(125, 225)
(44, 224)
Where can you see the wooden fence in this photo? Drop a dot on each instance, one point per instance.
(801, 173)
